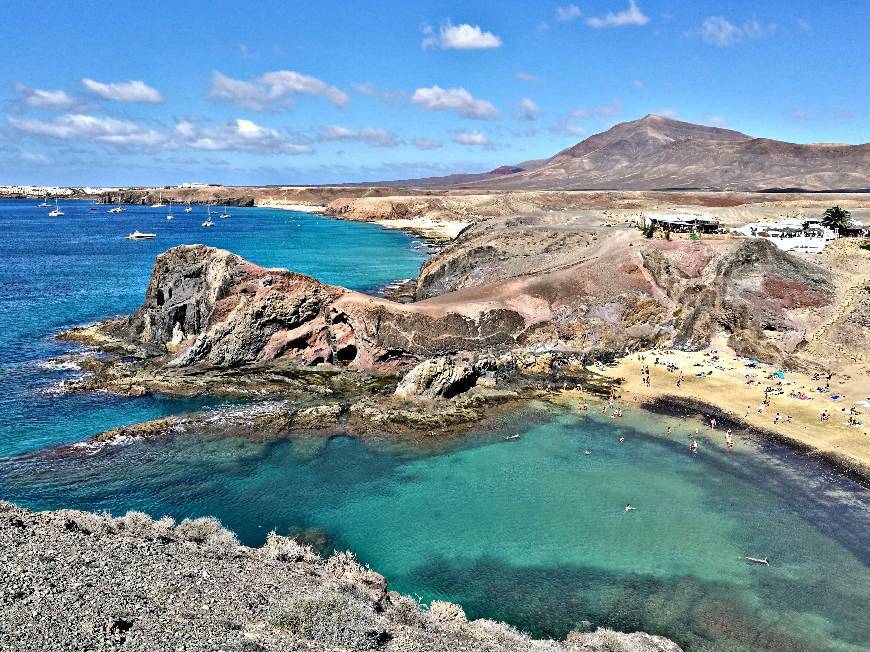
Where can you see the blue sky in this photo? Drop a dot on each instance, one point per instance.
(317, 92)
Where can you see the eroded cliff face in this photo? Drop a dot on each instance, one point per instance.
(595, 296)
(208, 306)
(611, 289)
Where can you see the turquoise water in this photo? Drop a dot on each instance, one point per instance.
(66, 271)
(531, 532)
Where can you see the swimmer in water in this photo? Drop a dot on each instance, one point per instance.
(587, 452)
(622, 440)
(629, 507)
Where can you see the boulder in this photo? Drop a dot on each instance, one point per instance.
(441, 377)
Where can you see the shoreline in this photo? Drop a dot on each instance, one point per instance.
(725, 385)
(683, 406)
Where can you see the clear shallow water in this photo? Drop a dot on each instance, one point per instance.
(62, 272)
(531, 532)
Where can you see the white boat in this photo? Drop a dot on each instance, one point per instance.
(159, 203)
(208, 222)
(44, 203)
(116, 209)
(169, 215)
(137, 235)
(56, 212)
(188, 209)
(224, 215)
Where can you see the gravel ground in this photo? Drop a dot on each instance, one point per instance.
(80, 581)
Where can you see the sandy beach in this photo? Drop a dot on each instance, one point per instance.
(718, 377)
(427, 227)
(304, 208)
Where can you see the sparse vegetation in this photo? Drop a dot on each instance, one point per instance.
(865, 246)
(333, 618)
(648, 231)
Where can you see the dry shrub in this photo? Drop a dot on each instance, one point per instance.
(333, 618)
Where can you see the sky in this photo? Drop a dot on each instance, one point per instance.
(281, 92)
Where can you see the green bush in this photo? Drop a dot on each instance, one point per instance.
(865, 246)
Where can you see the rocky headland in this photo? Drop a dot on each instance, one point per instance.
(76, 580)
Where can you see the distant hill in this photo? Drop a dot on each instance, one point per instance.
(655, 153)
(456, 179)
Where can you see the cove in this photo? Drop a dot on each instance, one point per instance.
(531, 532)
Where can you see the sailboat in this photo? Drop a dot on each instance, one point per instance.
(169, 215)
(44, 203)
(188, 209)
(224, 215)
(56, 212)
(159, 203)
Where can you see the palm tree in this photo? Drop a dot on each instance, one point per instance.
(836, 218)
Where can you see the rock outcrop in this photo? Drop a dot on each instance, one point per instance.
(208, 306)
(441, 377)
(80, 581)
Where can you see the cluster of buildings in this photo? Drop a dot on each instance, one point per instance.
(808, 236)
(797, 235)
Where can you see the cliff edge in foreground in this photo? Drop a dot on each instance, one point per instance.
(80, 581)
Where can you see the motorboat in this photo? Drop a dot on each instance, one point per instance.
(188, 209)
(56, 212)
(116, 209)
(138, 235)
(208, 222)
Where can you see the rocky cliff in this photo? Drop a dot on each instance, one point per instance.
(500, 288)
(208, 306)
(80, 581)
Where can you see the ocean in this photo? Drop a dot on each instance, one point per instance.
(532, 531)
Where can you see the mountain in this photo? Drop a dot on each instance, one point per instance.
(655, 153)
(460, 179)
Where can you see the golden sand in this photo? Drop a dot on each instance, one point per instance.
(737, 389)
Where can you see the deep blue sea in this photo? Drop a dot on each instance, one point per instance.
(532, 532)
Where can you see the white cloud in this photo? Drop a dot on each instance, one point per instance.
(526, 76)
(799, 114)
(388, 97)
(368, 135)
(36, 98)
(604, 111)
(130, 91)
(529, 109)
(38, 159)
(568, 12)
(459, 37)
(719, 31)
(564, 127)
(238, 135)
(638, 84)
(426, 143)
(453, 99)
(99, 129)
(666, 113)
(272, 90)
(716, 121)
(474, 138)
(631, 16)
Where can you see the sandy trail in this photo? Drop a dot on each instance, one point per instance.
(728, 388)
